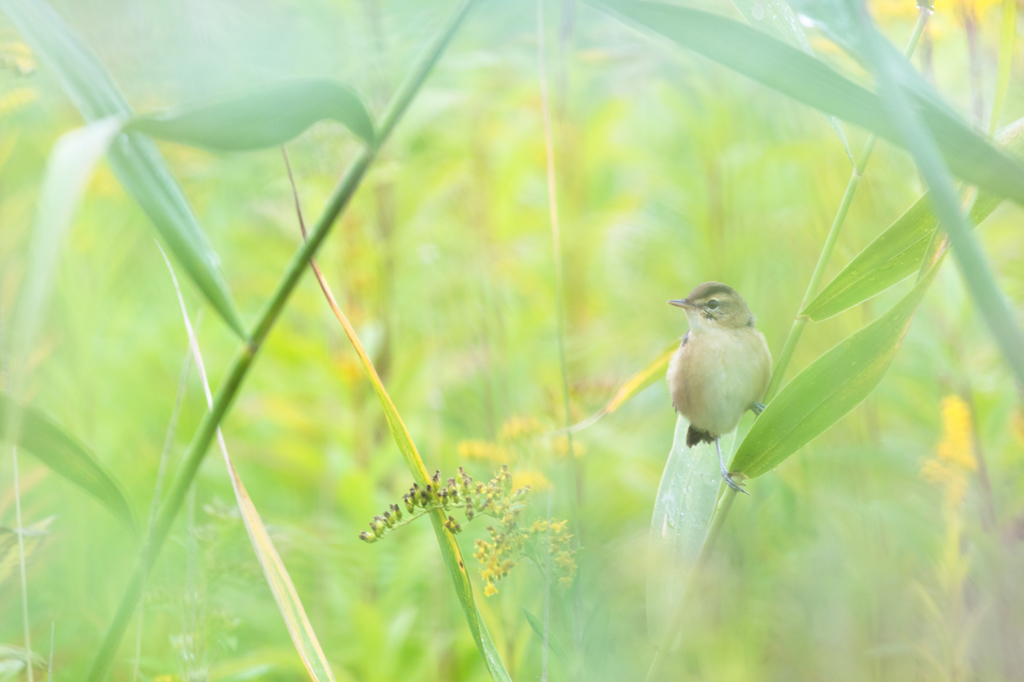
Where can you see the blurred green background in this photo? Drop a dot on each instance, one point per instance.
(879, 552)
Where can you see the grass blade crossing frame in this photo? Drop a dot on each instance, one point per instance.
(239, 367)
(446, 541)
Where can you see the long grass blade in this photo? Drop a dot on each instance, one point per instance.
(67, 457)
(281, 586)
(135, 159)
(786, 69)
(445, 540)
(266, 117)
(777, 18)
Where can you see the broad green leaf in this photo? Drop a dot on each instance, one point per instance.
(786, 69)
(261, 118)
(134, 158)
(31, 534)
(682, 515)
(827, 389)
(897, 252)
(777, 18)
(281, 586)
(58, 450)
(446, 541)
(989, 301)
(554, 643)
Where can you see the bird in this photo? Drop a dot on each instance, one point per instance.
(722, 366)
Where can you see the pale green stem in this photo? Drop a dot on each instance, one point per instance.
(830, 242)
(246, 352)
(21, 563)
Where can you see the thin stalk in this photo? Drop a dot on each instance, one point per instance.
(246, 352)
(556, 240)
(154, 506)
(830, 242)
(722, 511)
(21, 564)
(49, 666)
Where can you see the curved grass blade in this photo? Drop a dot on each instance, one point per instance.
(683, 509)
(630, 388)
(786, 69)
(777, 18)
(281, 586)
(828, 388)
(538, 629)
(68, 169)
(446, 541)
(62, 453)
(135, 159)
(897, 253)
(266, 117)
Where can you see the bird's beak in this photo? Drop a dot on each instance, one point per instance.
(684, 303)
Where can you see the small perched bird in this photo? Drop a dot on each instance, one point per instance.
(722, 367)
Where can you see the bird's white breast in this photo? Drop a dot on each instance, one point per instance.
(717, 374)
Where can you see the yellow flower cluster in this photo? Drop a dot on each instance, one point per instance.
(482, 449)
(560, 548)
(953, 455)
(519, 427)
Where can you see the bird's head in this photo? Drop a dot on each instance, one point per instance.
(715, 305)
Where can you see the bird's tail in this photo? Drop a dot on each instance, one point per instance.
(694, 436)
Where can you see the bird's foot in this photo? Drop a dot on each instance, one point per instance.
(757, 408)
(733, 484)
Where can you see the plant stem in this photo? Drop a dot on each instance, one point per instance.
(721, 512)
(246, 352)
(21, 563)
(830, 242)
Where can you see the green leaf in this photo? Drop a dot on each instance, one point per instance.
(554, 643)
(988, 299)
(134, 158)
(68, 170)
(827, 389)
(777, 18)
(682, 515)
(897, 253)
(808, 80)
(260, 118)
(60, 451)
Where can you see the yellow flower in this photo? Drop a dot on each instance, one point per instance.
(534, 479)
(482, 449)
(956, 439)
(517, 427)
(953, 455)
(490, 589)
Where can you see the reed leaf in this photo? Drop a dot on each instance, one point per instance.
(65, 456)
(32, 535)
(828, 388)
(683, 509)
(136, 161)
(786, 69)
(898, 251)
(266, 117)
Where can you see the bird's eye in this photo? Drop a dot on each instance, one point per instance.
(712, 304)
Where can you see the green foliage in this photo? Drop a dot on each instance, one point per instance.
(66, 456)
